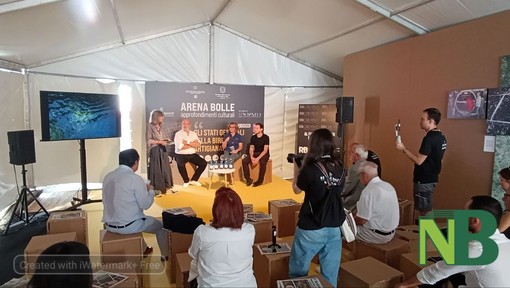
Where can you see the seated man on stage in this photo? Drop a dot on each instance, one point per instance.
(258, 154)
(186, 143)
(377, 209)
(125, 196)
(232, 143)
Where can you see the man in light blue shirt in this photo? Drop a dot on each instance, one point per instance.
(125, 196)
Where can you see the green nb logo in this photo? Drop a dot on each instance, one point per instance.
(454, 247)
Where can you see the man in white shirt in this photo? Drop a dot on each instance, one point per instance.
(377, 209)
(125, 196)
(491, 275)
(186, 143)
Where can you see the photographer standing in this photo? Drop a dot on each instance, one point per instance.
(322, 178)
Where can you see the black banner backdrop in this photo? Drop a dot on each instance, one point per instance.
(209, 107)
(312, 117)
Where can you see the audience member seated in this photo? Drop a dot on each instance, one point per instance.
(353, 187)
(504, 181)
(125, 196)
(372, 157)
(377, 209)
(65, 264)
(221, 252)
(491, 275)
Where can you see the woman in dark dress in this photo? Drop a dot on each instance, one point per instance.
(158, 171)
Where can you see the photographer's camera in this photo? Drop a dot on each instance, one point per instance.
(295, 158)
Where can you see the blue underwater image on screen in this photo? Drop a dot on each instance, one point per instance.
(67, 116)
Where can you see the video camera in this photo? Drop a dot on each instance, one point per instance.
(295, 158)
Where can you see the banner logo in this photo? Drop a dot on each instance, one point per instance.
(454, 247)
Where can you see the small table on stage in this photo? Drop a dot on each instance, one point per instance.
(225, 172)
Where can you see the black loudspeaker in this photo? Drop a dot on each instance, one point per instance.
(345, 109)
(21, 147)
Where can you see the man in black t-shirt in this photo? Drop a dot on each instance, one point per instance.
(427, 164)
(258, 154)
(374, 158)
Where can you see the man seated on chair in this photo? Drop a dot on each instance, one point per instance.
(371, 156)
(232, 143)
(258, 155)
(352, 190)
(377, 209)
(125, 196)
(186, 143)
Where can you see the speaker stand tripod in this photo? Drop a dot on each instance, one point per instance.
(22, 202)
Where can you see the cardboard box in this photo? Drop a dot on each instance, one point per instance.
(406, 209)
(263, 230)
(117, 248)
(388, 253)
(409, 263)
(69, 221)
(284, 214)
(254, 171)
(270, 267)
(177, 243)
(182, 270)
(411, 234)
(368, 272)
(39, 243)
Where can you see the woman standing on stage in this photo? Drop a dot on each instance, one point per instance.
(158, 171)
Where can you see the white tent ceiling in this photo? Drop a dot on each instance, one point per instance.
(38, 33)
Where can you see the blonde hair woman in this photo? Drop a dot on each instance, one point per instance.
(232, 143)
(158, 171)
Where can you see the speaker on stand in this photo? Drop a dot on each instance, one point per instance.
(344, 115)
(22, 152)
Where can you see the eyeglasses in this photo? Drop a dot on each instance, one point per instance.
(506, 195)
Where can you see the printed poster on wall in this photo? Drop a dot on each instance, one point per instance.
(209, 107)
(312, 117)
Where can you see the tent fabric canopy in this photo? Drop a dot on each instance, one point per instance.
(40, 34)
(287, 44)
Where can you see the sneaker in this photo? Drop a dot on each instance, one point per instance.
(185, 185)
(195, 183)
(147, 251)
(256, 184)
(249, 182)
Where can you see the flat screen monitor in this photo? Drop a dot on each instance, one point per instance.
(76, 116)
